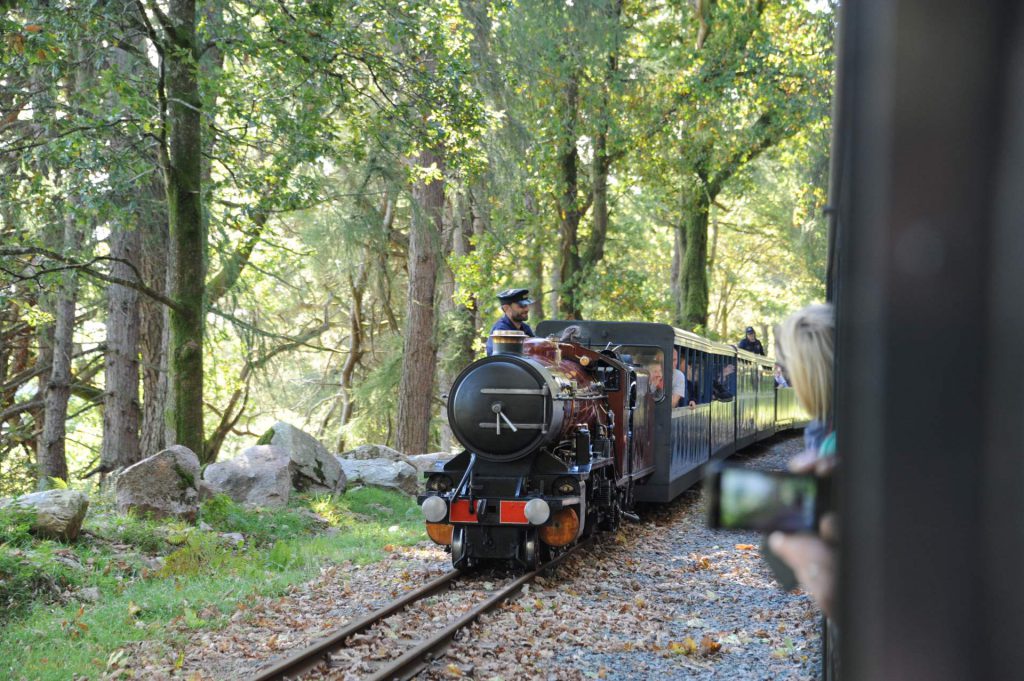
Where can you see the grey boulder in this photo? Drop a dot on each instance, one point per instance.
(364, 452)
(163, 485)
(58, 512)
(260, 476)
(426, 462)
(313, 469)
(394, 475)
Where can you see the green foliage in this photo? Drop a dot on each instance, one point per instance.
(25, 579)
(146, 535)
(202, 554)
(15, 523)
(311, 114)
(261, 526)
(200, 582)
(266, 438)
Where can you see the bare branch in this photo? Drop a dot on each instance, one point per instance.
(86, 268)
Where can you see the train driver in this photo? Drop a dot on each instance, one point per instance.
(515, 304)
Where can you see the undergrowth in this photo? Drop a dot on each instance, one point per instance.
(67, 610)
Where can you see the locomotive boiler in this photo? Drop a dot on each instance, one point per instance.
(547, 427)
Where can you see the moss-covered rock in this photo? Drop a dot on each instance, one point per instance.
(163, 486)
(56, 513)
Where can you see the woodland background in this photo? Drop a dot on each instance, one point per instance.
(215, 215)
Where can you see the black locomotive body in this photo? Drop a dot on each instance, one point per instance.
(563, 437)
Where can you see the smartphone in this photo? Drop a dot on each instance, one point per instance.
(742, 498)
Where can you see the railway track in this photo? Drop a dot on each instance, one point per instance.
(423, 652)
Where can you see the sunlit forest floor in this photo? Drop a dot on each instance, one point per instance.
(73, 611)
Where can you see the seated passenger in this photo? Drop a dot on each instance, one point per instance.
(721, 386)
(682, 389)
(656, 380)
(780, 377)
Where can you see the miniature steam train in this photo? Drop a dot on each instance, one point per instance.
(565, 433)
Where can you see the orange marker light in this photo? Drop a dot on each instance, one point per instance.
(440, 533)
(562, 529)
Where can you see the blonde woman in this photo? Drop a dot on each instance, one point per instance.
(804, 346)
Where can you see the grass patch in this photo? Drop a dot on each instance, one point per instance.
(202, 580)
(260, 526)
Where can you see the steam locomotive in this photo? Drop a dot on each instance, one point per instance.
(566, 432)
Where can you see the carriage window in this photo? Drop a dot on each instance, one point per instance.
(688, 375)
(650, 365)
(724, 385)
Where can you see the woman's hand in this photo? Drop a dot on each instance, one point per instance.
(812, 557)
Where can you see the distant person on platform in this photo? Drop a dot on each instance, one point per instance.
(515, 303)
(750, 343)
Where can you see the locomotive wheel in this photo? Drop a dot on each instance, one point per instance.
(459, 557)
(529, 551)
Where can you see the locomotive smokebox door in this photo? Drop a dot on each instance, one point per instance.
(501, 408)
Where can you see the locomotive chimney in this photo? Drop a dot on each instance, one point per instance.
(508, 342)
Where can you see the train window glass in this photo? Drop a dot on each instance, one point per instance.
(650, 363)
(698, 375)
(683, 370)
(692, 368)
(724, 386)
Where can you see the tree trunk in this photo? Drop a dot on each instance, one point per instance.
(568, 207)
(449, 321)
(678, 280)
(599, 228)
(419, 361)
(121, 411)
(154, 335)
(355, 345)
(713, 255)
(121, 414)
(535, 261)
(52, 456)
(695, 271)
(480, 226)
(187, 234)
(554, 300)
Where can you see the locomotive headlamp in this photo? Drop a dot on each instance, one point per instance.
(536, 511)
(434, 509)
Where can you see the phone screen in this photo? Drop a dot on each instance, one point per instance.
(743, 498)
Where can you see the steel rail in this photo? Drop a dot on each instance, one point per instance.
(415, 660)
(308, 658)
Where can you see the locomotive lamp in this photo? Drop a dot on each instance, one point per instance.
(536, 511)
(434, 509)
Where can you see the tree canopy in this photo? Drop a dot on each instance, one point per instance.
(219, 214)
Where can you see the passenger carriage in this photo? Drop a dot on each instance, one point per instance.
(746, 407)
